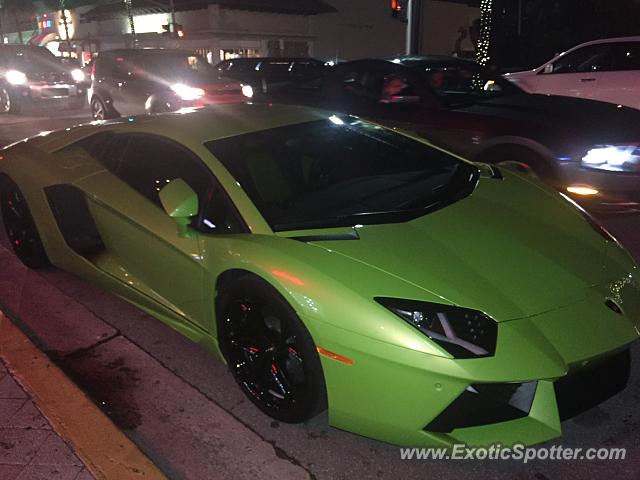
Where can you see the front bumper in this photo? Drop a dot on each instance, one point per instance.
(617, 192)
(42, 92)
(409, 398)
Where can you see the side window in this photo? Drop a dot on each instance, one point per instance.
(592, 58)
(362, 85)
(105, 147)
(626, 56)
(149, 163)
(381, 86)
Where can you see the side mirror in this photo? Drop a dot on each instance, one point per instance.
(180, 202)
(548, 68)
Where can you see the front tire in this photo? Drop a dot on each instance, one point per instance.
(99, 110)
(9, 102)
(20, 227)
(269, 351)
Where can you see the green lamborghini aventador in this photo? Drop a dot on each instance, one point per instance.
(336, 264)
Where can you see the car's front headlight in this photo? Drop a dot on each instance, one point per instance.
(462, 332)
(78, 75)
(247, 91)
(186, 92)
(15, 77)
(613, 158)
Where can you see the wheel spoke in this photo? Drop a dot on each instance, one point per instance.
(262, 354)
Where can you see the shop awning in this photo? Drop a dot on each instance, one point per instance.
(42, 38)
(146, 7)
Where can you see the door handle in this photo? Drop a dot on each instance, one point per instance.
(584, 80)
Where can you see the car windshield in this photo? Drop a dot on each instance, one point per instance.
(177, 65)
(341, 171)
(29, 58)
(464, 82)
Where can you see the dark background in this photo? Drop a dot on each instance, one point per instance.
(552, 26)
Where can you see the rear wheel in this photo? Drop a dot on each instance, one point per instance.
(21, 228)
(269, 351)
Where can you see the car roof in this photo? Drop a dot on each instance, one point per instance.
(271, 59)
(610, 40)
(412, 61)
(191, 126)
(146, 51)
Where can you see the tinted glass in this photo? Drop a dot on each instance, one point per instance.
(105, 147)
(341, 171)
(172, 64)
(380, 85)
(28, 58)
(462, 82)
(626, 56)
(592, 58)
(149, 163)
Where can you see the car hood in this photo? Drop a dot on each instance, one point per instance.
(590, 119)
(512, 249)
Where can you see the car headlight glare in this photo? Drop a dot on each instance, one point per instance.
(247, 91)
(15, 77)
(462, 332)
(613, 158)
(186, 92)
(77, 75)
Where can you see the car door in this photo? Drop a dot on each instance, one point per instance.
(577, 73)
(144, 248)
(620, 83)
(135, 85)
(107, 74)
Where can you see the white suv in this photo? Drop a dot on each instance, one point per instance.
(607, 70)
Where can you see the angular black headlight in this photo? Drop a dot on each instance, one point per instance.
(462, 332)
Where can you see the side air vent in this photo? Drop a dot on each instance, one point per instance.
(69, 207)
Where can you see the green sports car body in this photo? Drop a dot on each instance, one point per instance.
(333, 263)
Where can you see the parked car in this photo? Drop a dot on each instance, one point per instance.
(334, 263)
(130, 82)
(268, 73)
(586, 149)
(606, 70)
(31, 75)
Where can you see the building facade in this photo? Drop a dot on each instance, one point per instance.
(221, 29)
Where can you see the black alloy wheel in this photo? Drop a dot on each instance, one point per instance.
(20, 227)
(269, 351)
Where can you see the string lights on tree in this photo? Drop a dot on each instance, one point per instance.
(482, 50)
(127, 4)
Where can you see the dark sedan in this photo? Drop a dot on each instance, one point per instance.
(32, 75)
(587, 149)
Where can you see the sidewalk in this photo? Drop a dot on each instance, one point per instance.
(29, 448)
(49, 429)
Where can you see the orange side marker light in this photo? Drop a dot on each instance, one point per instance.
(334, 356)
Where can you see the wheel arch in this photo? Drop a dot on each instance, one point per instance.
(497, 146)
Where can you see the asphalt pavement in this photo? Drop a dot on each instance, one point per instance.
(184, 411)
